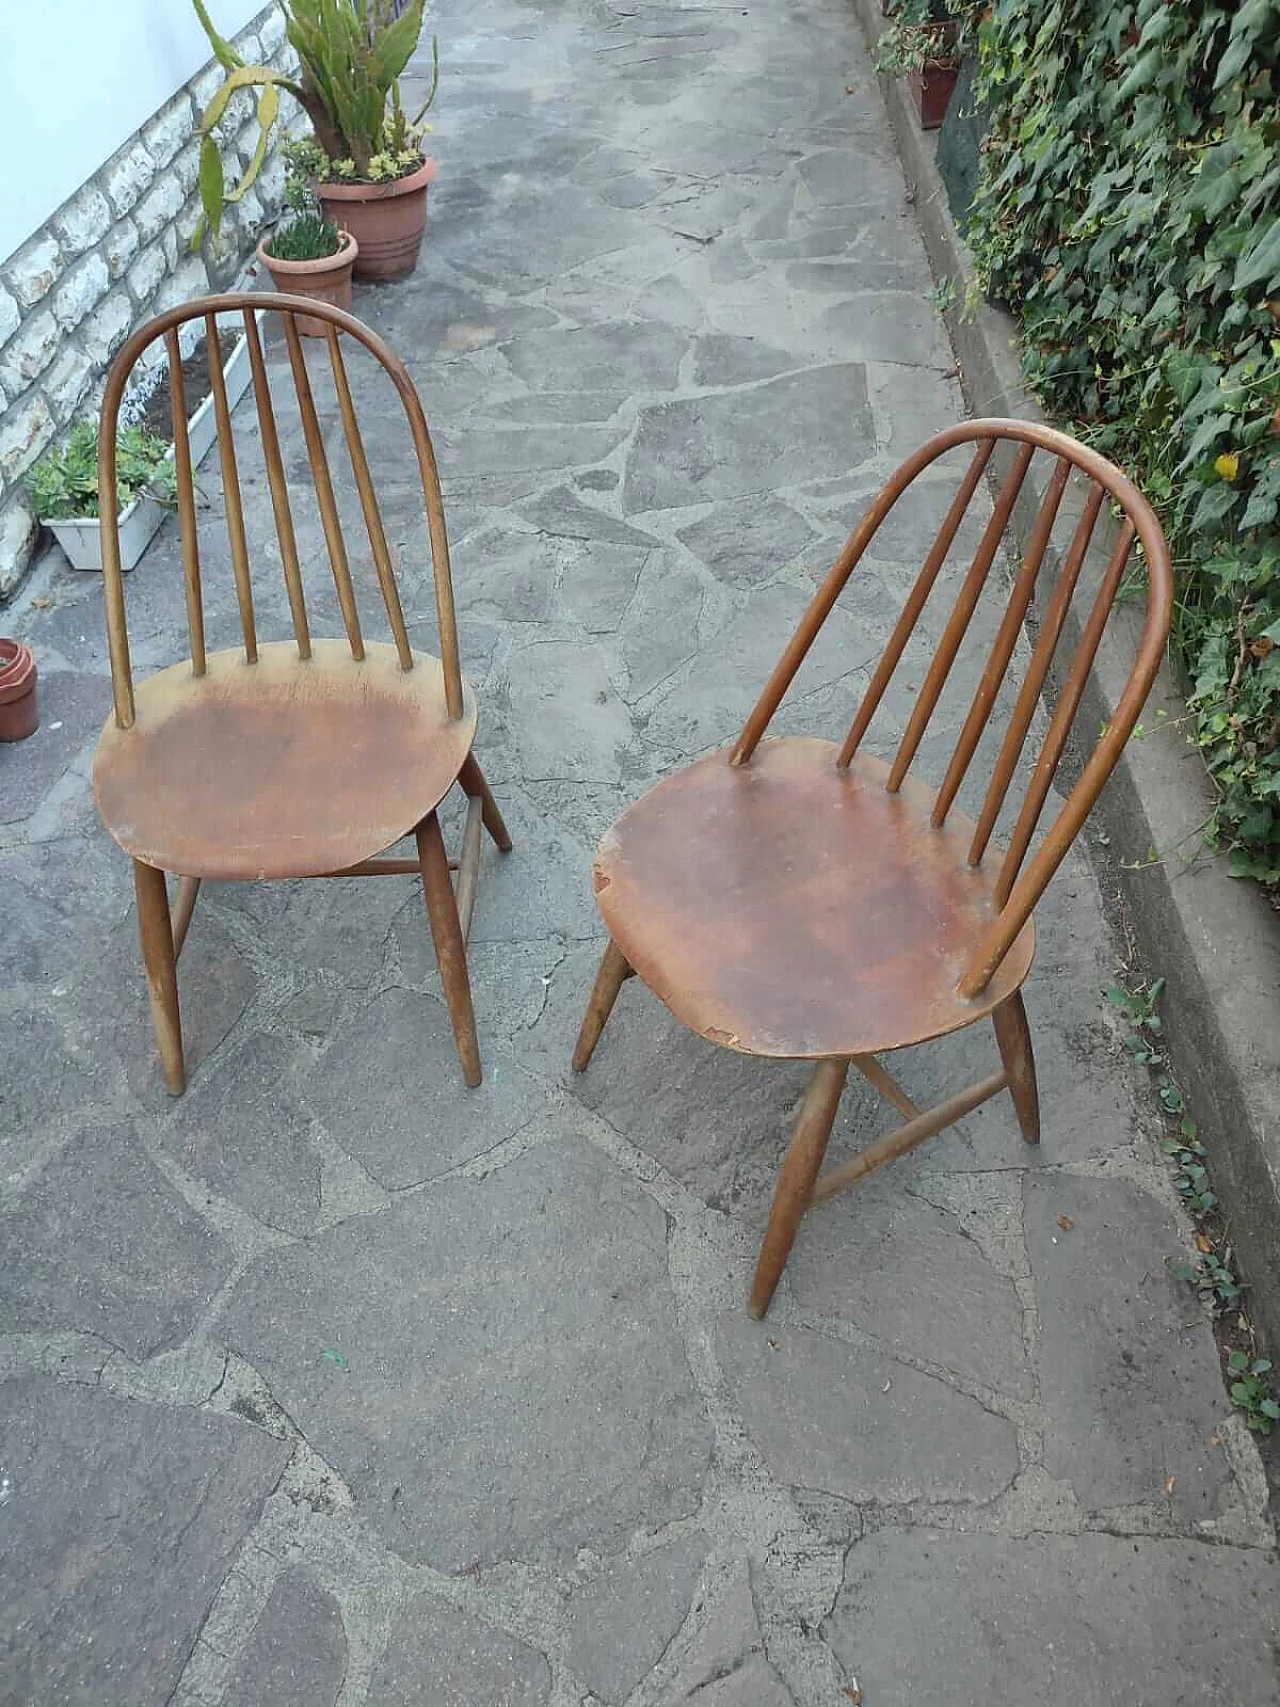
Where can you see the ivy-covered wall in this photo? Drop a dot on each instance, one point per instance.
(1129, 212)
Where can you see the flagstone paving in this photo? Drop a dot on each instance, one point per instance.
(337, 1383)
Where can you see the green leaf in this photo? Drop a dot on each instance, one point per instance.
(1261, 262)
(223, 51)
(212, 183)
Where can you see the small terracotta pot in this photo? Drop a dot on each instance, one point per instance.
(387, 220)
(932, 87)
(328, 279)
(19, 714)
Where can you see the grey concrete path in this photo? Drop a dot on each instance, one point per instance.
(335, 1383)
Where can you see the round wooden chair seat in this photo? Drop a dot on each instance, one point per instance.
(281, 768)
(790, 908)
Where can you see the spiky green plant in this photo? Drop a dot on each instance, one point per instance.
(352, 54)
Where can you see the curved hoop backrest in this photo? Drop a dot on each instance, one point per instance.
(1016, 890)
(249, 305)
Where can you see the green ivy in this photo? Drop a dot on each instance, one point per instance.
(1128, 211)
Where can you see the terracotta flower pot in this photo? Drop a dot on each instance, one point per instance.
(387, 220)
(19, 714)
(328, 279)
(932, 87)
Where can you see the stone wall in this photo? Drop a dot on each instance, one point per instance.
(117, 252)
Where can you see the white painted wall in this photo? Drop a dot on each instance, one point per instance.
(77, 79)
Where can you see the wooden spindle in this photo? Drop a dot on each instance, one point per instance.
(324, 486)
(1033, 681)
(369, 502)
(446, 615)
(279, 486)
(109, 534)
(1006, 639)
(1063, 715)
(231, 492)
(906, 623)
(958, 625)
(186, 496)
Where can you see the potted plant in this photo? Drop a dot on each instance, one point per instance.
(64, 491)
(19, 714)
(371, 175)
(922, 44)
(308, 255)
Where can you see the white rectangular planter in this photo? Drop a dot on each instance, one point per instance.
(81, 539)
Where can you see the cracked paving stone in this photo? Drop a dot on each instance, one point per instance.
(717, 1120)
(836, 179)
(802, 426)
(620, 1625)
(1128, 1365)
(108, 1015)
(123, 1521)
(890, 326)
(515, 1383)
(441, 1656)
(46, 1078)
(562, 512)
(243, 1130)
(566, 720)
(634, 356)
(506, 575)
(750, 541)
(724, 1662)
(710, 707)
(62, 891)
(102, 1244)
(828, 1415)
(390, 1093)
(598, 582)
(752, 1684)
(540, 236)
(297, 1655)
(946, 1620)
(469, 453)
(660, 630)
(869, 1257)
(723, 359)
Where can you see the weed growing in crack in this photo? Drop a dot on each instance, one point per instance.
(1212, 1273)
(1251, 1391)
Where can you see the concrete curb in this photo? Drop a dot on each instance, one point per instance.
(1215, 941)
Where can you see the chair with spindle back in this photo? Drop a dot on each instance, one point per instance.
(805, 900)
(298, 758)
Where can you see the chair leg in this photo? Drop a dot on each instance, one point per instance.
(160, 961)
(451, 950)
(1013, 1035)
(614, 972)
(472, 779)
(795, 1180)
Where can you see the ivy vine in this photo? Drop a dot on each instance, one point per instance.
(1128, 211)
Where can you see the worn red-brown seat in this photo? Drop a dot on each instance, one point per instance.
(205, 781)
(301, 758)
(802, 899)
(794, 877)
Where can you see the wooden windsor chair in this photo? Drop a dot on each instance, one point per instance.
(805, 900)
(301, 758)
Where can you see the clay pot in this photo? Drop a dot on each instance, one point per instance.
(932, 87)
(387, 220)
(327, 280)
(19, 714)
